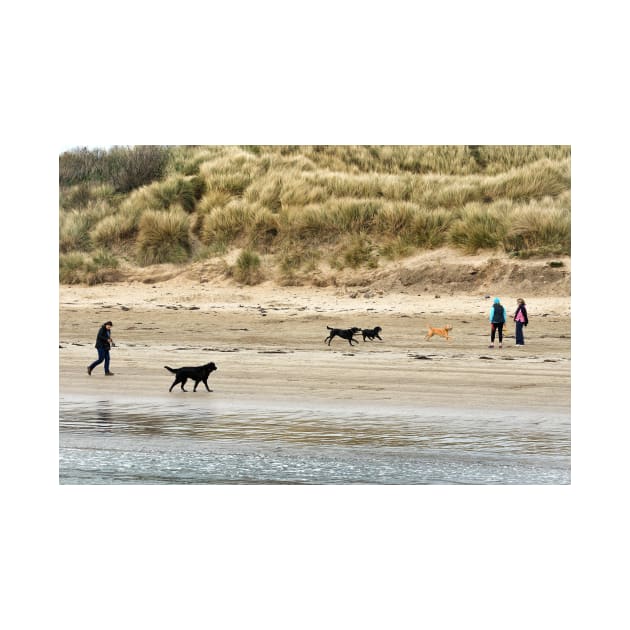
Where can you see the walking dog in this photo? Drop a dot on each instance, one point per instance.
(441, 332)
(346, 333)
(371, 333)
(198, 374)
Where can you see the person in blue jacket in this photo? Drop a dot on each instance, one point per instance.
(497, 319)
(103, 343)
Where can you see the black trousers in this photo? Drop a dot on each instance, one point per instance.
(496, 327)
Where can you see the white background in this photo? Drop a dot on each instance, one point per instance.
(324, 73)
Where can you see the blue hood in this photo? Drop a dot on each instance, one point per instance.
(497, 301)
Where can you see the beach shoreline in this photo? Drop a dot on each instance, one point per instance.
(268, 344)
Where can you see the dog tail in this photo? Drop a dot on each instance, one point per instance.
(170, 369)
(329, 328)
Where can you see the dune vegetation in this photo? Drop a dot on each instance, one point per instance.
(286, 210)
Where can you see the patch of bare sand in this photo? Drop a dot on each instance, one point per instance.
(268, 343)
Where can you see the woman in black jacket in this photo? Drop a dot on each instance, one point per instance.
(103, 344)
(520, 317)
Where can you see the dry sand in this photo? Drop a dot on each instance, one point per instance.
(268, 343)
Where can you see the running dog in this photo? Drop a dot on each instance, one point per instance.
(371, 333)
(343, 333)
(441, 332)
(198, 374)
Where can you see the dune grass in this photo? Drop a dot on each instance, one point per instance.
(163, 237)
(81, 268)
(301, 205)
(247, 268)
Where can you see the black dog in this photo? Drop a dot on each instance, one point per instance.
(197, 374)
(343, 333)
(370, 333)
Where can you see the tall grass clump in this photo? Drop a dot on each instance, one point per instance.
(357, 250)
(74, 232)
(230, 174)
(539, 231)
(430, 228)
(84, 194)
(396, 219)
(501, 158)
(247, 268)
(267, 191)
(407, 227)
(352, 215)
(179, 191)
(163, 237)
(295, 256)
(226, 225)
(75, 226)
(327, 223)
(263, 228)
(116, 229)
(81, 268)
(533, 181)
(479, 227)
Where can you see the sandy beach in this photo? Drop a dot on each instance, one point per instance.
(268, 344)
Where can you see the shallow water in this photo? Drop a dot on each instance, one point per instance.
(153, 441)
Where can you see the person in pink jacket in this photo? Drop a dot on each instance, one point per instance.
(520, 317)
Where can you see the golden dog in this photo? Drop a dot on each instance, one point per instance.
(441, 332)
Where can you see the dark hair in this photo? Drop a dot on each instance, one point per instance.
(108, 324)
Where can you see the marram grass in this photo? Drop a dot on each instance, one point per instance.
(353, 203)
(163, 237)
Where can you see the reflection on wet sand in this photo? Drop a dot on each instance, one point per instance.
(263, 445)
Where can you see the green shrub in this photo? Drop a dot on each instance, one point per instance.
(130, 168)
(125, 168)
(82, 165)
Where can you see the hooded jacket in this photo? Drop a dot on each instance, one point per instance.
(497, 312)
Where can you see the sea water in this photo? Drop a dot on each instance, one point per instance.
(202, 441)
